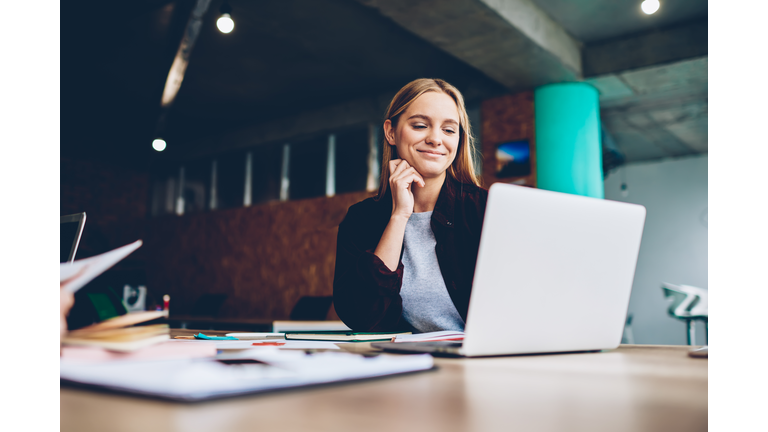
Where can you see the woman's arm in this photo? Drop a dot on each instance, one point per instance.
(400, 182)
(366, 293)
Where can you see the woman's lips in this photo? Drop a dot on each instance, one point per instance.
(431, 154)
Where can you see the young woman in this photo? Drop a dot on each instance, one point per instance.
(405, 259)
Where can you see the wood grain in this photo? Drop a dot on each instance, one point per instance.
(633, 388)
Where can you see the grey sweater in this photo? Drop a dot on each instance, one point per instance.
(426, 303)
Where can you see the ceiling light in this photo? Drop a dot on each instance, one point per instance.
(650, 6)
(158, 144)
(225, 23)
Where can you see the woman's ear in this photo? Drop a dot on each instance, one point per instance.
(389, 132)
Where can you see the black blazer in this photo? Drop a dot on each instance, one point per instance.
(366, 294)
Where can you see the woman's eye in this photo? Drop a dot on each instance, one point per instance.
(450, 131)
(419, 127)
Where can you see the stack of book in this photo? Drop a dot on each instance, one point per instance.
(121, 333)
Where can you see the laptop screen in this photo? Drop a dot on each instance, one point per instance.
(70, 231)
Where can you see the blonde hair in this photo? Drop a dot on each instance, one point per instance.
(463, 167)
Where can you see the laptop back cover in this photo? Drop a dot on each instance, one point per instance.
(554, 272)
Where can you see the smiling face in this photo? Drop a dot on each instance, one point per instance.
(427, 134)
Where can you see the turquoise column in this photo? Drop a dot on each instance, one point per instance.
(568, 149)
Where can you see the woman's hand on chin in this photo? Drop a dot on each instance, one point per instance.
(402, 176)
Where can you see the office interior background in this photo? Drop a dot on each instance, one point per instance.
(271, 131)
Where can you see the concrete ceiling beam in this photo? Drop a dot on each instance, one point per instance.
(512, 41)
(657, 47)
(295, 127)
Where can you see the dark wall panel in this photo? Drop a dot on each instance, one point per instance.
(263, 258)
(114, 199)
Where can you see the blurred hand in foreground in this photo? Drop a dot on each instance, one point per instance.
(67, 300)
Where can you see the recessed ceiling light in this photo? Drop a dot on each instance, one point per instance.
(650, 6)
(225, 22)
(158, 144)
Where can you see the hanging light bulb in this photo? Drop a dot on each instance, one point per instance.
(650, 6)
(225, 23)
(158, 144)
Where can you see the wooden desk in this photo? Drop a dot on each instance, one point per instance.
(633, 388)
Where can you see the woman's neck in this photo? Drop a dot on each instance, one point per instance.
(425, 198)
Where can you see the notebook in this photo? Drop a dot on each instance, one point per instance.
(554, 274)
(343, 336)
(304, 326)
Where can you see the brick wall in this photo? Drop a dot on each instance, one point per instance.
(507, 118)
(263, 258)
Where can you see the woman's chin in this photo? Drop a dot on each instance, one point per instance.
(430, 173)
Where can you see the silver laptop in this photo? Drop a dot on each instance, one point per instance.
(554, 273)
(70, 231)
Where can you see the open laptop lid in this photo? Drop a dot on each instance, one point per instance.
(71, 229)
(554, 272)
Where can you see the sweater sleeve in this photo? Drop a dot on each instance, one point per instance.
(366, 293)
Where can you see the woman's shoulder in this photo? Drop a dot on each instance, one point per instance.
(474, 189)
(471, 191)
(367, 209)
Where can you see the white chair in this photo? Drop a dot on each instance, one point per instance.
(690, 304)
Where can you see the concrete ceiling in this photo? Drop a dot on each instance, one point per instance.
(301, 65)
(592, 21)
(284, 57)
(651, 70)
(658, 111)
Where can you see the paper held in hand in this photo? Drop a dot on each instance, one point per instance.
(75, 275)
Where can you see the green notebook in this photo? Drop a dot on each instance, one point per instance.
(340, 336)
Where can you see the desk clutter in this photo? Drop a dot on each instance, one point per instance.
(252, 371)
(118, 356)
(209, 367)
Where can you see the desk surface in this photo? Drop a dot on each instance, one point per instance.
(633, 388)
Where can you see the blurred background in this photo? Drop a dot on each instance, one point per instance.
(235, 155)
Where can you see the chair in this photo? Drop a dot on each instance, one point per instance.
(688, 303)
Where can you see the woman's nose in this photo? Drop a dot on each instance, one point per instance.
(434, 138)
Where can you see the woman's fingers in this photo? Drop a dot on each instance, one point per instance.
(397, 166)
(409, 176)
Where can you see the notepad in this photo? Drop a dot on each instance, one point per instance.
(343, 336)
(308, 326)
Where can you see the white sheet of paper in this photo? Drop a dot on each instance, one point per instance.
(198, 379)
(257, 336)
(75, 275)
